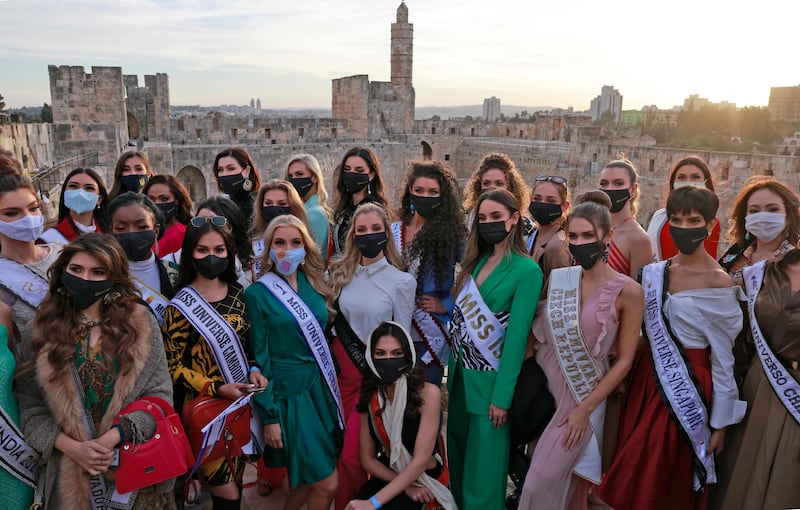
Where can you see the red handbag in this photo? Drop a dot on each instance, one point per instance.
(197, 413)
(164, 456)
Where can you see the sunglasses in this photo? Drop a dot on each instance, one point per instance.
(217, 221)
(557, 179)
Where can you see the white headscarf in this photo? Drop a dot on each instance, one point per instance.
(406, 340)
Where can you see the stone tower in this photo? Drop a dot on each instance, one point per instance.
(402, 64)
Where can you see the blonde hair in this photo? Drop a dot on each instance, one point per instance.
(341, 270)
(312, 165)
(296, 205)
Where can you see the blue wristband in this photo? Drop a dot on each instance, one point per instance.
(375, 502)
(255, 369)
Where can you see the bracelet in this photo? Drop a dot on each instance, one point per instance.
(255, 369)
(375, 502)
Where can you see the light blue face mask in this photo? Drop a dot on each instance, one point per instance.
(286, 261)
(681, 184)
(80, 201)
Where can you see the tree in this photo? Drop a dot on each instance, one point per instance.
(47, 113)
(2, 103)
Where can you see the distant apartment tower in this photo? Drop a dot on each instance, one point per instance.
(784, 103)
(609, 100)
(491, 109)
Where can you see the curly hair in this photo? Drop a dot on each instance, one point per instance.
(183, 201)
(444, 233)
(791, 203)
(514, 181)
(295, 205)
(57, 320)
(343, 200)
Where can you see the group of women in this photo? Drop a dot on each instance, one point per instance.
(341, 324)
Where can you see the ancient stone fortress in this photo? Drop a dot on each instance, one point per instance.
(99, 115)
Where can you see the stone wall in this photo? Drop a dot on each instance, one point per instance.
(215, 128)
(31, 144)
(149, 106)
(350, 101)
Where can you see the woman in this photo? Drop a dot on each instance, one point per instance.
(499, 286)
(400, 419)
(765, 225)
(371, 287)
(358, 180)
(238, 177)
(172, 198)
(760, 464)
(301, 408)
(430, 235)
(549, 207)
(82, 207)
(629, 249)
(131, 173)
(668, 434)
(305, 174)
(608, 307)
(688, 171)
(497, 171)
(94, 349)
(195, 353)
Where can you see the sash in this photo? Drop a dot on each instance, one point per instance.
(477, 329)
(784, 385)
(20, 460)
(353, 345)
(581, 371)
(54, 236)
(154, 299)
(531, 241)
(258, 251)
(311, 330)
(657, 223)
(676, 382)
(24, 283)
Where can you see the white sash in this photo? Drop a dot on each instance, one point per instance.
(312, 332)
(531, 240)
(258, 251)
(675, 378)
(476, 327)
(23, 282)
(20, 460)
(783, 383)
(154, 299)
(54, 236)
(582, 372)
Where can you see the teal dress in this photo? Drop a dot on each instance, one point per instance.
(14, 495)
(297, 396)
(320, 224)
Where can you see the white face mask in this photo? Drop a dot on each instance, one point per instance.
(681, 184)
(28, 228)
(765, 226)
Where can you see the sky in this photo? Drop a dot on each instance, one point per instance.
(529, 53)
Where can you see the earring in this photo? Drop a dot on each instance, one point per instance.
(63, 291)
(747, 236)
(605, 256)
(411, 207)
(247, 185)
(110, 297)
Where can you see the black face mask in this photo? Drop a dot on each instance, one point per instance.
(389, 369)
(168, 210)
(545, 213)
(211, 266)
(302, 185)
(85, 292)
(354, 182)
(370, 245)
(619, 197)
(231, 184)
(134, 182)
(270, 212)
(492, 232)
(425, 206)
(138, 246)
(687, 240)
(587, 254)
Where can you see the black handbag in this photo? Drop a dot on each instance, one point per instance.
(532, 406)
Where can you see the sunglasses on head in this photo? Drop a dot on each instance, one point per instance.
(217, 221)
(557, 179)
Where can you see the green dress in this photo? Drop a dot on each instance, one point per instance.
(297, 396)
(14, 495)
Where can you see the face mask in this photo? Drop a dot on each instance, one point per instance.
(134, 182)
(688, 239)
(492, 232)
(681, 184)
(545, 213)
(231, 184)
(619, 197)
(80, 201)
(138, 246)
(84, 292)
(370, 245)
(28, 228)
(211, 266)
(354, 182)
(270, 212)
(286, 261)
(168, 210)
(587, 254)
(425, 206)
(390, 369)
(302, 185)
(765, 226)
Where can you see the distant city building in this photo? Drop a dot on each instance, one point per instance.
(694, 102)
(784, 103)
(252, 104)
(609, 100)
(258, 106)
(633, 117)
(491, 109)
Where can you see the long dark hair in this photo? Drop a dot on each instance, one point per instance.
(100, 213)
(244, 159)
(226, 207)
(117, 187)
(342, 200)
(183, 201)
(187, 271)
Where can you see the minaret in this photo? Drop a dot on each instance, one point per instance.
(402, 62)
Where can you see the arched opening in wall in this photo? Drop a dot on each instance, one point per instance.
(194, 180)
(133, 126)
(427, 151)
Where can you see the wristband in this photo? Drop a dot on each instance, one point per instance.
(255, 369)
(375, 502)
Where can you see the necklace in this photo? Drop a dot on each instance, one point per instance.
(621, 223)
(86, 325)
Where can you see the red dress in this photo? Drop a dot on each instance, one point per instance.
(172, 240)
